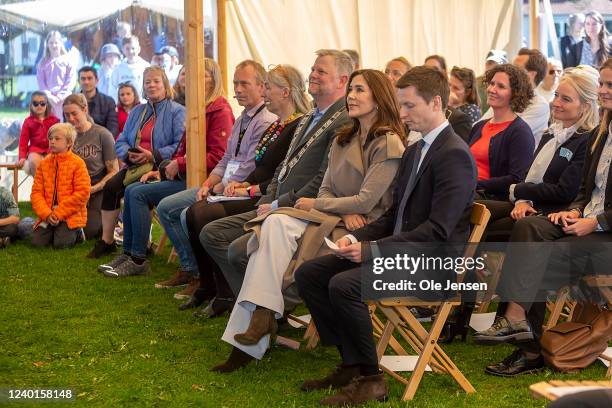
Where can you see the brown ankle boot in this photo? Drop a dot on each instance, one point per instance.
(360, 390)
(262, 323)
(338, 378)
(237, 359)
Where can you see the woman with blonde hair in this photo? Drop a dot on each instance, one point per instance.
(151, 134)
(167, 180)
(554, 176)
(55, 74)
(396, 68)
(581, 228)
(285, 96)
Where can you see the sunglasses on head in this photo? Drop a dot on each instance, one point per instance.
(37, 104)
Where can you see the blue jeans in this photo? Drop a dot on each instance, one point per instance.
(138, 200)
(171, 211)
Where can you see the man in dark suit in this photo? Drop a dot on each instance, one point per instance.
(432, 203)
(300, 175)
(460, 122)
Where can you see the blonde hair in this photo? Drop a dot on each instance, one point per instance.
(286, 76)
(80, 101)
(154, 69)
(47, 54)
(214, 71)
(344, 63)
(402, 60)
(585, 81)
(66, 129)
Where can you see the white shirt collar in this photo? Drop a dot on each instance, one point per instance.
(430, 137)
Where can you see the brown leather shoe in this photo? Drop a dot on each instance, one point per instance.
(262, 323)
(186, 293)
(237, 359)
(338, 378)
(360, 390)
(180, 278)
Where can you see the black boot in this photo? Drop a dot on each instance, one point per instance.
(457, 324)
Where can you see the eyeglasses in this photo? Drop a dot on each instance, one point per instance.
(555, 72)
(37, 104)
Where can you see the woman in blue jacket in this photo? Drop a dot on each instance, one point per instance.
(151, 134)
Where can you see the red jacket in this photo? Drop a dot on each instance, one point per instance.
(34, 135)
(219, 123)
(122, 116)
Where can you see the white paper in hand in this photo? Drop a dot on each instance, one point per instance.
(331, 244)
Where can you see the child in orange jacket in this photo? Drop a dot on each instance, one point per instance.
(60, 192)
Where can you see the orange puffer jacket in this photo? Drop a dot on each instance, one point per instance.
(62, 180)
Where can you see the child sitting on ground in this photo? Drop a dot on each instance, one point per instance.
(60, 192)
(9, 217)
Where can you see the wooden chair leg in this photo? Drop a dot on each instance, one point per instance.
(424, 343)
(173, 255)
(555, 313)
(495, 276)
(313, 340)
(162, 243)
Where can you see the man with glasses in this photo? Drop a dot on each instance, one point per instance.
(549, 84)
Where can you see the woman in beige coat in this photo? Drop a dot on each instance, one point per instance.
(356, 190)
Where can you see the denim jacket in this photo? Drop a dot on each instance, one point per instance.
(167, 133)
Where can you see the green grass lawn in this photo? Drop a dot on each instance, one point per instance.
(124, 343)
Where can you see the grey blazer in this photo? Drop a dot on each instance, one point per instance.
(306, 176)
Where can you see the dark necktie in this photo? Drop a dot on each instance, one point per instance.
(409, 185)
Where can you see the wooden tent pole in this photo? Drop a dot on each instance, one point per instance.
(534, 32)
(222, 41)
(195, 98)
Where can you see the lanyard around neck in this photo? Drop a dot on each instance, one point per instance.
(243, 131)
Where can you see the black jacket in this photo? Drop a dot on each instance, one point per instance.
(561, 180)
(439, 207)
(565, 47)
(102, 110)
(273, 157)
(588, 182)
(510, 155)
(460, 122)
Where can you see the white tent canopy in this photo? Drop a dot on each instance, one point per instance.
(73, 15)
(290, 31)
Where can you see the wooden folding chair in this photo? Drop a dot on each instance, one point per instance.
(495, 270)
(162, 240)
(543, 389)
(562, 307)
(424, 343)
